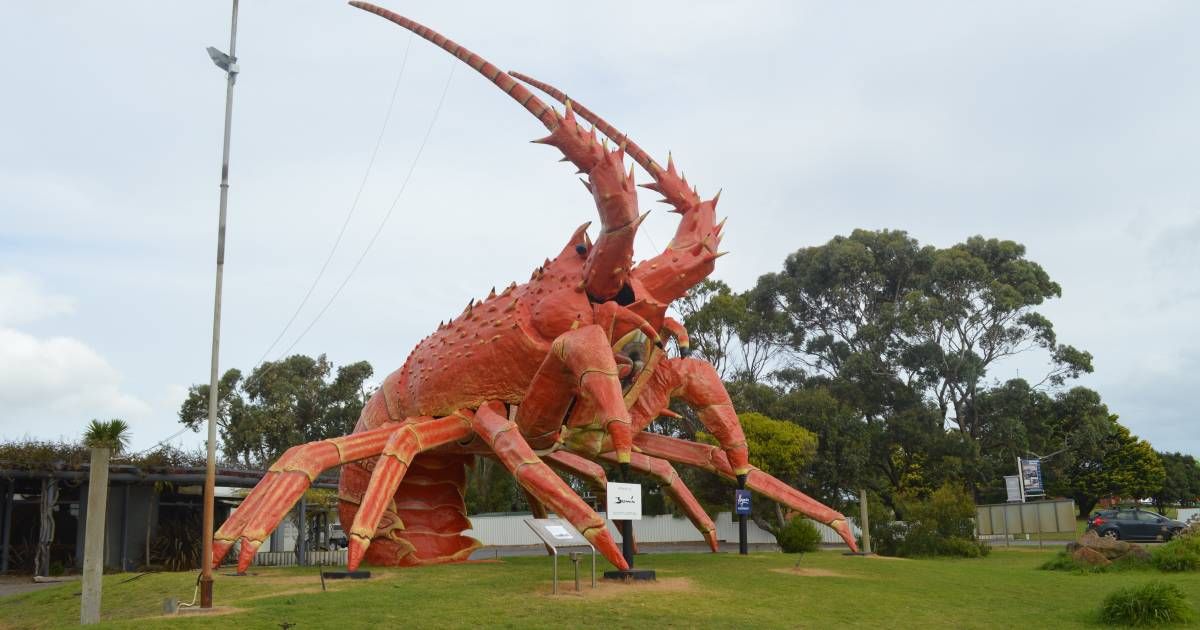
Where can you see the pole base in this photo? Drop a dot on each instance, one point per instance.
(632, 575)
(206, 592)
(346, 575)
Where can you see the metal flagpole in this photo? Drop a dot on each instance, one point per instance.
(228, 63)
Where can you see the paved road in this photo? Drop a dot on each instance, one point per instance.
(21, 584)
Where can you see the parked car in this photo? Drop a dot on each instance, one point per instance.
(337, 537)
(1133, 524)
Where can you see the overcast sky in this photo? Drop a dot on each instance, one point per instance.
(1069, 127)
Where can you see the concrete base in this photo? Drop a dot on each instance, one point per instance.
(632, 575)
(346, 575)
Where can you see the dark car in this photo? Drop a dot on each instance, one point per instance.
(337, 537)
(1132, 524)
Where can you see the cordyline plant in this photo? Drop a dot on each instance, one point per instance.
(113, 435)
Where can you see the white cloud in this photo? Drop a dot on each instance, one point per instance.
(23, 301)
(51, 386)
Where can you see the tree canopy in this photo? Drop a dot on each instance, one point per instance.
(886, 349)
(283, 403)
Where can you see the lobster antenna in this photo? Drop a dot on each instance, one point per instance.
(679, 196)
(503, 80)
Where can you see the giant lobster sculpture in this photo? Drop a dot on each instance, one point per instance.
(559, 373)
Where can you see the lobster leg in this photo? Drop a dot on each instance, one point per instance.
(579, 360)
(535, 476)
(402, 445)
(590, 472)
(663, 472)
(284, 482)
(714, 460)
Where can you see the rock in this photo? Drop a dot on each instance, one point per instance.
(1109, 548)
(1137, 552)
(1090, 557)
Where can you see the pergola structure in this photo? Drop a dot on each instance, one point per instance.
(43, 511)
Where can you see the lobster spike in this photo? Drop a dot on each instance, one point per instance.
(673, 189)
(670, 163)
(586, 184)
(717, 198)
(670, 414)
(652, 186)
(720, 226)
(492, 293)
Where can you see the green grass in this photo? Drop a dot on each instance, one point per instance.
(695, 590)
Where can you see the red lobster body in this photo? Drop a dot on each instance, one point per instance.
(559, 373)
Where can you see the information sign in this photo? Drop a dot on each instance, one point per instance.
(624, 501)
(741, 502)
(557, 533)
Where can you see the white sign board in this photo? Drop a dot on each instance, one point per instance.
(624, 501)
(556, 532)
(1012, 484)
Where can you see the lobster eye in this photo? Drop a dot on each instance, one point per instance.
(581, 250)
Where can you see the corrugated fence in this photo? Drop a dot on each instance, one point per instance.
(510, 530)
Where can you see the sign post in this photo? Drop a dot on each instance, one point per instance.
(625, 507)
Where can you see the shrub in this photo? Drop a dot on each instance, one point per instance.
(1181, 554)
(1152, 603)
(799, 535)
(942, 525)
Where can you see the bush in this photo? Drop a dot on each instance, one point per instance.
(1152, 603)
(799, 535)
(1181, 554)
(942, 525)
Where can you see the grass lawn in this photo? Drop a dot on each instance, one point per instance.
(694, 590)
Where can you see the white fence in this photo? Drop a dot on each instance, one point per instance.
(510, 530)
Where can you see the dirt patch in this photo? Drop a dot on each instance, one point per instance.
(207, 612)
(876, 556)
(806, 572)
(606, 589)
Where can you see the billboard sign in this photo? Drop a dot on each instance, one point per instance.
(1031, 477)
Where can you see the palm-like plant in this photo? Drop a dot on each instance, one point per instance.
(112, 435)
